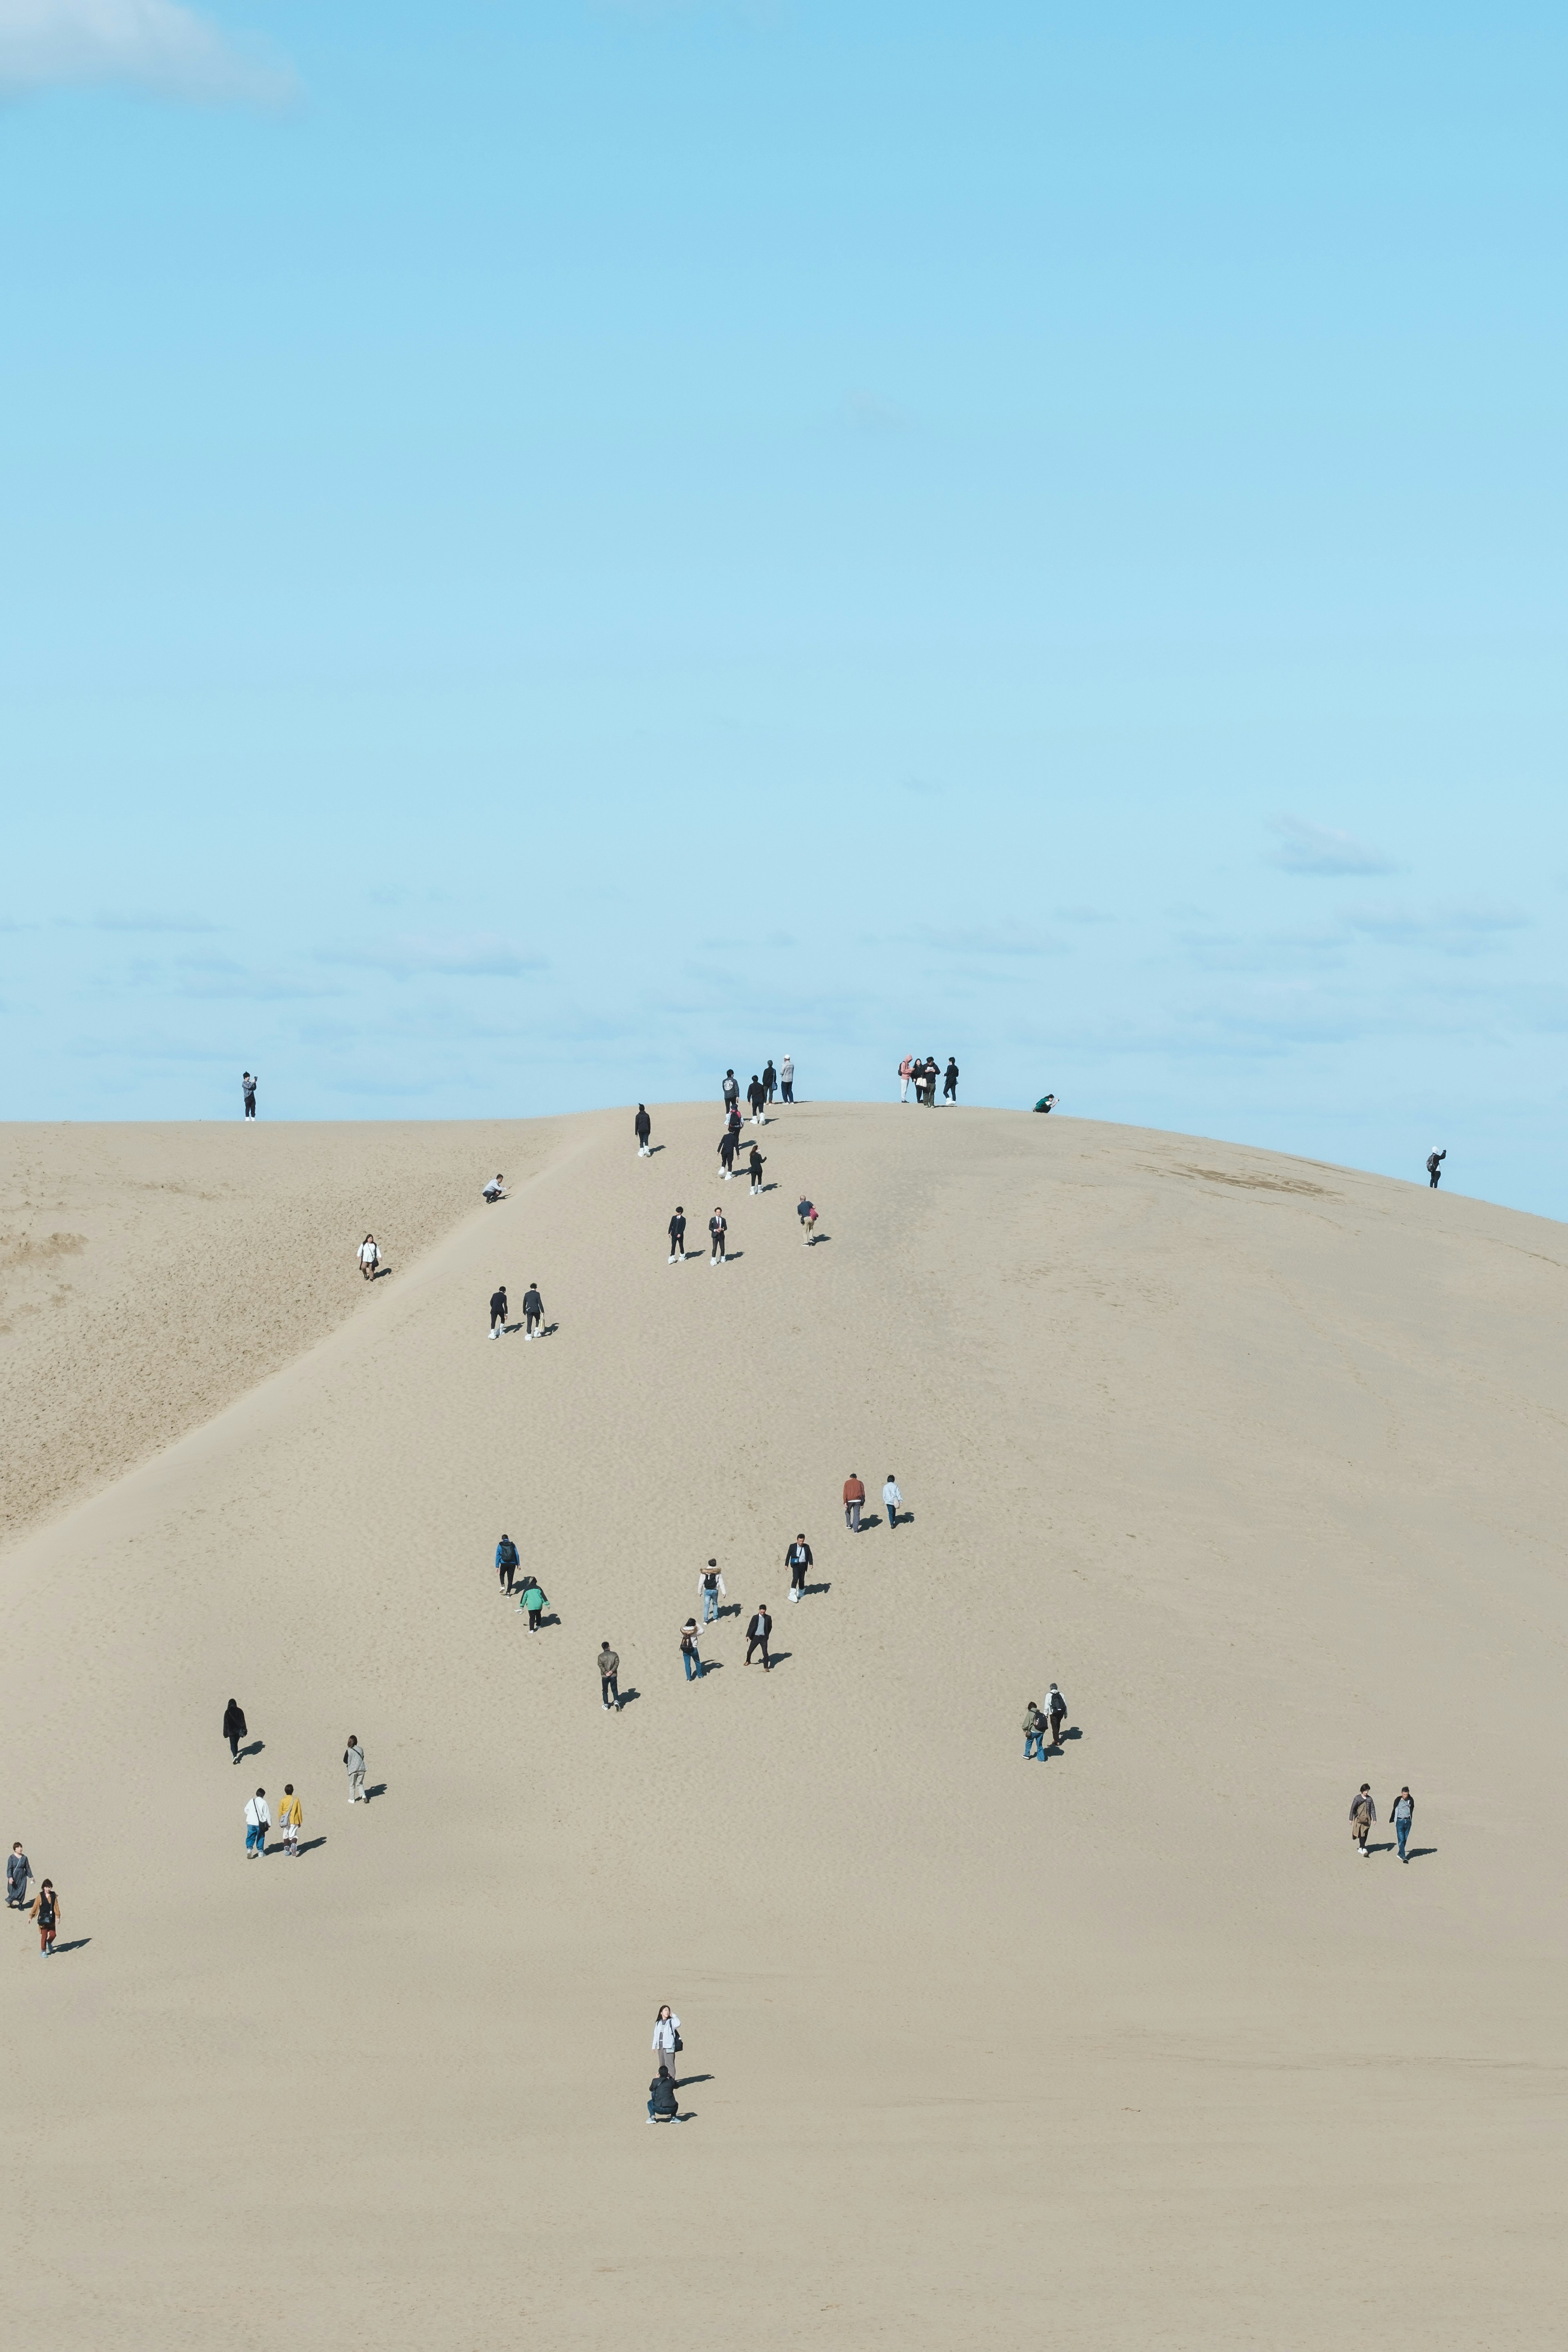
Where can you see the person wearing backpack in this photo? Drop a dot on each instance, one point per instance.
(533, 1600)
(690, 1658)
(1404, 1814)
(1034, 1733)
(711, 1584)
(507, 1565)
(642, 1127)
(1435, 1168)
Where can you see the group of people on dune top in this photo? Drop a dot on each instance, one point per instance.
(923, 1076)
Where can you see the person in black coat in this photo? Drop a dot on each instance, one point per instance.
(757, 1633)
(643, 1127)
(727, 1153)
(663, 2106)
(235, 1727)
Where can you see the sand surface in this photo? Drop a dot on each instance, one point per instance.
(1263, 1461)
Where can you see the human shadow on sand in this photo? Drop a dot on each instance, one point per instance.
(80, 1945)
(808, 1590)
(379, 1790)
(379, 1271)
(1418, 1853)
(628, 1696)
(255, 1748)
(309, 1845)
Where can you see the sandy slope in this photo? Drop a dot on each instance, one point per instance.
(1262, 1460)
(150, 1274)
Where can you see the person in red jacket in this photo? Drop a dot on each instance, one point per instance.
(854, 1495)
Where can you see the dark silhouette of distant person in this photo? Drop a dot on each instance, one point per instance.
(248, 1088)
(234, 1727)
(1435, 1168)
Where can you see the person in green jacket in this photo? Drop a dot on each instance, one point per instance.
(534, 1602)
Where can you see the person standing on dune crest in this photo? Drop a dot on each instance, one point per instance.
(643, 1128)
(786, 1079)
(1435, 1168)
(247, 1089)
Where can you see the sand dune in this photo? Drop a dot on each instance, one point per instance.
(1262, 1460)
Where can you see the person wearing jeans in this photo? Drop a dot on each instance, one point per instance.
(1404, 1814)
(257, 1821)
(712, 1589)
(854, 1495)
(786, 1079)
(891, 1499)
(689, 1653)
(1034, 1733)
(609, 1689)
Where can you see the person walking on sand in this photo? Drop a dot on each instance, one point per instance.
(642, 1127)
(854, 1495)
(291, 1821)
(369, 1257)
(757, 1633)
(691, 1656)
(717, 1228)
(609, 1689)
(534, 1601)
(354, 1765)
(731, 1090)
(727, 1153)
(1363, 1812)
(806, 1211)
(678, 1237)
(495, 1190)
(797, 1560)
(892, 1500)
(18, 1870)
(769, 1078)
(234, 1729)
(498, 1312)
(1402, 1815)
(1056, 1713)
(950, 1081)
(532, 1311)
(247, 1089)
(755, 1164)
(1435, 1168)
(931, 1076)
(786, 1079)
(1034, 1733)
(507, 1565)
(257, 1821)
(663, 2105)
(45, 1910)
(906, 1070)
(710, 1585)
(757, 1095)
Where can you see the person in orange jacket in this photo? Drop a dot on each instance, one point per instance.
(854, 1495)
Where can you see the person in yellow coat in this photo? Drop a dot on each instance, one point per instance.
(291, 1821)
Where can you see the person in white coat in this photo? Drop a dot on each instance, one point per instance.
(892, 1501)
(369, 1257)
(711, 1584)
(257, 1821)
(666, 2039)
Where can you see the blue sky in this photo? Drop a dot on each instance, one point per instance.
(550, 549)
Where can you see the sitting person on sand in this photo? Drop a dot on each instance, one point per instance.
(495, 1190)
(663, 2106)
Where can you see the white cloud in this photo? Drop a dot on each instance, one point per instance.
(153, 44)
(1316, 849)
